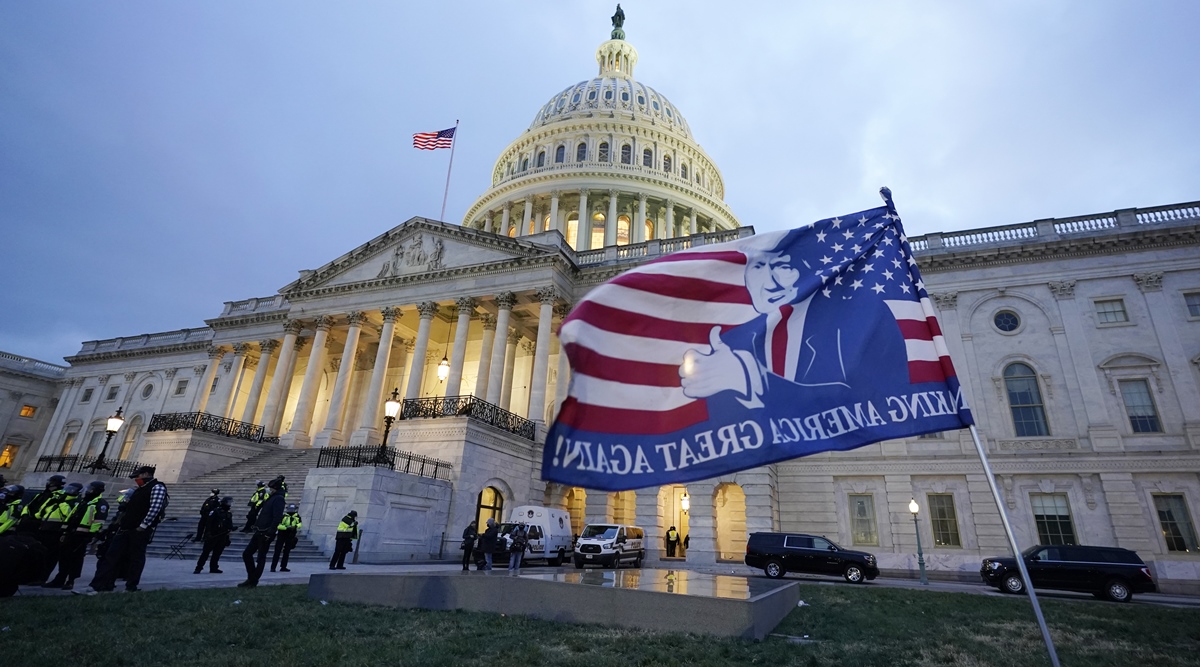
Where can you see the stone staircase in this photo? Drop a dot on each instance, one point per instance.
(238, 481)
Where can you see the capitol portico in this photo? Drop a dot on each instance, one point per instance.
(1078, 341)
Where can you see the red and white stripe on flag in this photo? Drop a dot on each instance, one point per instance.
(928, 356)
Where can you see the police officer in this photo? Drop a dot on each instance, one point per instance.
(126, 554)
(282, 486)
(256, 500)
(265, 525)
(30, 522)
(84, 523)
(10, 507)
(672, 541)
(347, 532)
(216, 536)
(285, 539)
(210, 504)
(53, 517)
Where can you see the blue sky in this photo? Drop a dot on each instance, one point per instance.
(158, 159)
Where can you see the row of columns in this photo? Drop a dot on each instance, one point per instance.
(664, 221)
(495, 371)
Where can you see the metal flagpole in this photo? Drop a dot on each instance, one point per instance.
(1012, 540)
(453, 143)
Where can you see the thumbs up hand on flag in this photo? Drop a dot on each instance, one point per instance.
(702, 375)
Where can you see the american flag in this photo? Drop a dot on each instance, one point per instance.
(428, 141)
(857, 327)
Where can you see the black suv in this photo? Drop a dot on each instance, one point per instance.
(776, 554)
(1109, 573)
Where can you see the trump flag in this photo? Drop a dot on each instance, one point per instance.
(735, 355)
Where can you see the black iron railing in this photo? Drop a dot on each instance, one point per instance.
(468, 406)
(77, 463)
(202, 421)
(385, 457)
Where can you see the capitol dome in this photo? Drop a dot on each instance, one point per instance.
(615, 149)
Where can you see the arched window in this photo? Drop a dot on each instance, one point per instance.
(623, 230)
(491, 506)
(581, 152)
(573, 229)
(525, 164)
(603, 152)
(541, 160)
(649, 229)
(1025, 401)
(133, 430)
(597, 230)
(626, 154)
(647, 158)
(667, 163)
(683, 171)
(560, 154)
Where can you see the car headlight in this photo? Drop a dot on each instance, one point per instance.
(871, 559)
(993, 565)
(608, 545)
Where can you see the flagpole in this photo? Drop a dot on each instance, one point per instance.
(453, 143)
(1012, 540)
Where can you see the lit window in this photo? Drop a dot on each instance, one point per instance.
(112, 393)
(581, 152)
(560, 154)
(1006, 321)
(573, 229)
(87, 395)
(1025, 401)
(541, 159)
(491, 506)
(181, 387)
(603, 151)
(1193, 303)
(623, 230)
(597, 230)
(649, 229)
(1111, 311)
(647, 158)
(68, 441)
(1176, 522)
(862, 520)
(626, 154)
(1139, 405)
(943, 520)
(1052, 514)
(28, 410)
(8, 455)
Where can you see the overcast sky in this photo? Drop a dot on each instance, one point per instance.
(160, 158)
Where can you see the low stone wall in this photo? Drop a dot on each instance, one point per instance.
(403, 517)
(37, 480)
(182, 455)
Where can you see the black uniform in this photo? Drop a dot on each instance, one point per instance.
(468, 545)
(210, 504)
(266, 523)
(216, 538)
(127, 548)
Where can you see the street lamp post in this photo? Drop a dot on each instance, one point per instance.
(114, 424)
(391, 408)
(914, 508)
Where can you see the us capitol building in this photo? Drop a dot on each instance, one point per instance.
(1078, 341)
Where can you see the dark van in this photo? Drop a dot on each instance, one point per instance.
(1108, 573)
(776, 554)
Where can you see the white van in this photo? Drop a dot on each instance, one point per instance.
(608, 544)
(548, 530)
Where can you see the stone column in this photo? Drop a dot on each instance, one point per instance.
(598, 507)
(223, 404)
(366, 433)
(510, 360)
(466, 309)
(530, 347)
(554, 223)
(639, 227)
(203, 391)
(287, 389)
(491, 223)
(648, 514)
(670, 219)
(702, 537)
(331, 435)
(564, 364)
(504, 218)
(281, 380)
(583, 232)
(610, 221)
(417, 373)
(692, 222)
(526, 217)
(485, 356)
(266, 347)
(297, 436)
(495, 388)
(541, 357)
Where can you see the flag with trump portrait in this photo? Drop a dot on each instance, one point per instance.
(730, 356)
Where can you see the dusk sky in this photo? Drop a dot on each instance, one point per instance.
(160, 158)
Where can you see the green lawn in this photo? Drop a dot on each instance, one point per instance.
(279, 625)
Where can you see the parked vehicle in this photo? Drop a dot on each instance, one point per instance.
(607, 544)
(776, 554)
(1108, 573)
(548, 531)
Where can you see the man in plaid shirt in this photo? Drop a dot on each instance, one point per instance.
(146, 507)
